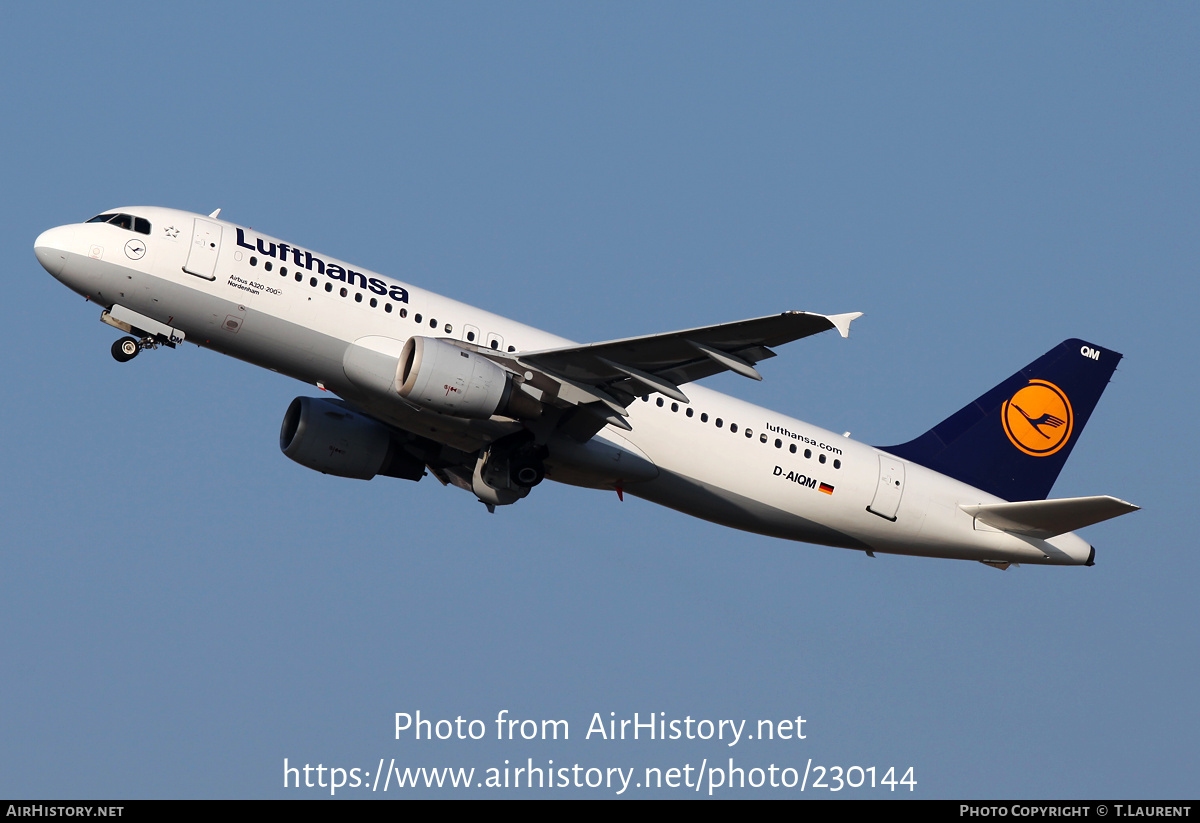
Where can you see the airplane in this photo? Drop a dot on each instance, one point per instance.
(422, 384)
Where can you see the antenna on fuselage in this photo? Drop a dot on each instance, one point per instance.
(215, 213)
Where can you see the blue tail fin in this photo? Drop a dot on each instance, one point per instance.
(1014, 440)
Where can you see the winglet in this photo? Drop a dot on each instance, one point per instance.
(842, 322)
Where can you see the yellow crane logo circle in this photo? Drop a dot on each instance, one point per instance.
(1038, 418)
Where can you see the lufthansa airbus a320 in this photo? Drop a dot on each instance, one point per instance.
(423, 384)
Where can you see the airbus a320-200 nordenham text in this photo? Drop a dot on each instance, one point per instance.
(425, 384)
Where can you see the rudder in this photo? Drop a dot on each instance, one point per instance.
(1014, 440)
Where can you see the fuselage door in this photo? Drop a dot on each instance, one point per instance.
(206, 243)
(889, 488)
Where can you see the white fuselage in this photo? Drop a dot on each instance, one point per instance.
(296, 312)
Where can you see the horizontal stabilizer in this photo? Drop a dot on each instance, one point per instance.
(1047, 518)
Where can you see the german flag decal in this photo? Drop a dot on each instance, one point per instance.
(825, 488)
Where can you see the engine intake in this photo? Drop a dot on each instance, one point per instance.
(442, 377)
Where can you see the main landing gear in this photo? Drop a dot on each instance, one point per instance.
(127, 348)
(506, 470)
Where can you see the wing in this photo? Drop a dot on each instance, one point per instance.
(604, 378)
(507, 406)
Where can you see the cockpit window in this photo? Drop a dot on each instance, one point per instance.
(125, 221)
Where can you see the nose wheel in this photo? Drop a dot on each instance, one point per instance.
(127, 348)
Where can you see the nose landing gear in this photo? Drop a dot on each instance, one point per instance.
(128, 348)
(150, 333)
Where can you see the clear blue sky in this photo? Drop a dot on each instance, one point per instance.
(183, 608)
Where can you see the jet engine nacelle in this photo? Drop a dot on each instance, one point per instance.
(328, 437)
(450, 380)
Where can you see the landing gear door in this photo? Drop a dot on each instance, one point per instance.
(889, 488)
(206, 243)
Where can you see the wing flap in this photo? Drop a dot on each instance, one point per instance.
(1047, 518)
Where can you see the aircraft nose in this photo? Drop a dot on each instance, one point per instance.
(51, 248)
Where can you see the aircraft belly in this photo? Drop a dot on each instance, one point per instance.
(781, 494)
(942, 529)
(257, 337)
(718, 505)
(608, 459)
